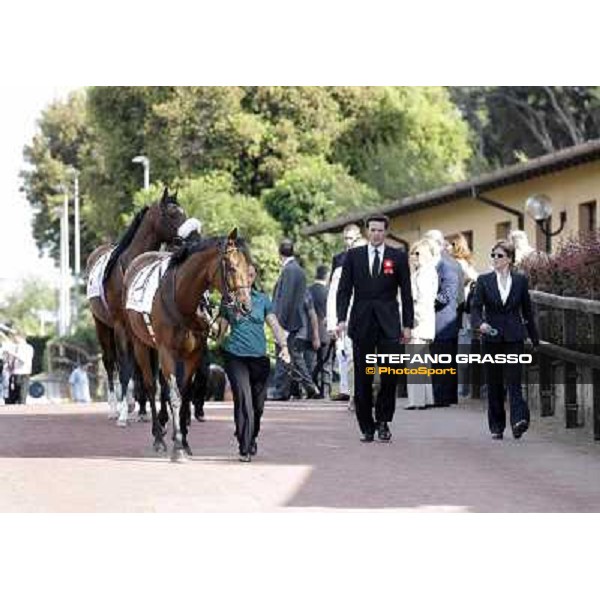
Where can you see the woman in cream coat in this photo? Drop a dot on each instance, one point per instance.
(424, 280)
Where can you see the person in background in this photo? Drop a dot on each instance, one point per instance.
(449, 297)
(247, 365)
(320, 368)
(288, 302)
(523, 249)
(343, 345)
(80, 384)
(461, 252)
(501, 311)
(7, 344)
(306, 345)
(21, 354)
(424, 284)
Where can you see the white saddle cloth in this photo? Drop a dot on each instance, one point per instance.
(140, 294)
(94, 282)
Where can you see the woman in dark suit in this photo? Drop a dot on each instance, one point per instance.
(501, 311)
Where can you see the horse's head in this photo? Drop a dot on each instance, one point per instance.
(234, 278)
(167, 216)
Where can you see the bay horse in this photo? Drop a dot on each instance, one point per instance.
(151, 226)
(175, 328)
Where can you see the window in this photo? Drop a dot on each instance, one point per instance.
(502, 230)
(469, 237)
(587, 217)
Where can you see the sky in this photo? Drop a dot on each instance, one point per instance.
(19, 257)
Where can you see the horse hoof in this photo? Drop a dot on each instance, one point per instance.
(143, 418)
(187, 450)
(113, 416)
(160, 447)
(177, 456)
(245, 458)
(122, 423)
(200, 418)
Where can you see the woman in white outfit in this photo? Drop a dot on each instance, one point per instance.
(424, 281)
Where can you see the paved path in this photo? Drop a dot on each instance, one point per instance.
(71, 458)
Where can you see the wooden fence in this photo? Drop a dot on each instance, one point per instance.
(566, 380)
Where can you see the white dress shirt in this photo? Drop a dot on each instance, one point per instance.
(371, 249)
(504, 291)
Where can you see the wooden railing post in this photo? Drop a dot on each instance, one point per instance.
(595, 349)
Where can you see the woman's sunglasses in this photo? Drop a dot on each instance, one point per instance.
(496, 255)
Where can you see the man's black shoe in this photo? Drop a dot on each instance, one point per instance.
(367, 438)
(497, 436)
(519, 429)
(340, 398)
(383, 432)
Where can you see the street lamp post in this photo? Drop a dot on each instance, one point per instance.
(77, 223)
(539, 208)
(145, 161)
(65, 275)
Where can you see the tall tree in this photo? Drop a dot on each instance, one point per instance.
(513, 123)
(402, 140)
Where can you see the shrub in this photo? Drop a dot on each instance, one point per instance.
(573, 270)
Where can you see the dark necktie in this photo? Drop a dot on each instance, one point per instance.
(375, 270)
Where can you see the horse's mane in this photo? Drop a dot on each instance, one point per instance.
(124, 242)
(190, 248)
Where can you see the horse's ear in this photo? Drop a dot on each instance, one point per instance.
(165, 194)
(233, 234)
(176, 192)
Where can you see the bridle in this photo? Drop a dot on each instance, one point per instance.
(229, 294)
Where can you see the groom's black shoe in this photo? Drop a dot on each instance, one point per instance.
(383, 432)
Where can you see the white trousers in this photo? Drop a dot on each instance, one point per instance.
(343, 353)
(420, 391)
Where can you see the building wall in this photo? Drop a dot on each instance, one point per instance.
(567, 189)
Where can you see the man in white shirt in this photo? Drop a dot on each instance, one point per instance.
(22, 356)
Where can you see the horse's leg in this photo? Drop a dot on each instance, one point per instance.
(165, 399)
(107, 343)
(190, 370)
(124, 364)
(148, 364)
(200, 387)
(139, 392)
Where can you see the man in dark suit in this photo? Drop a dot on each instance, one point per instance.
(501, 311)
(288, 303)
(318, 291)
(374, 273)
(447, 318)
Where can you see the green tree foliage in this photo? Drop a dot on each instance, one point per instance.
(212, 199)
(519, 122)
(23, 307)
(309, 193)
(402, 140)
(394, 140)
(65, 139)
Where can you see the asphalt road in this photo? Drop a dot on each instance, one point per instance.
(70, 458)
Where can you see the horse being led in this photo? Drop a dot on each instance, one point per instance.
(106, 267)
(174, 326)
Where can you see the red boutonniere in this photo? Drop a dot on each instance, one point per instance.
(388, 267)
